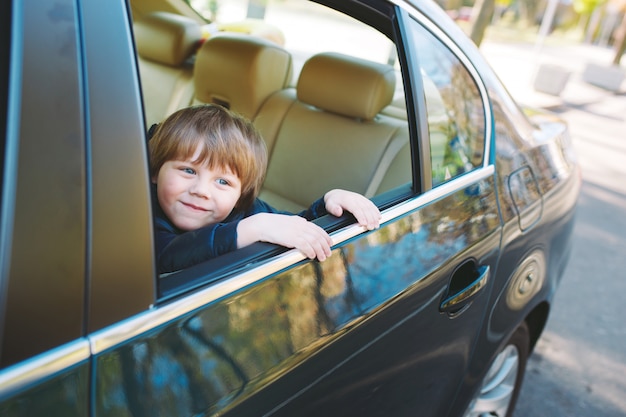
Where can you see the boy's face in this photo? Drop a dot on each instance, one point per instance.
(192, 196)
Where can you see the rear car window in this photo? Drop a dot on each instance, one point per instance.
(456, 119)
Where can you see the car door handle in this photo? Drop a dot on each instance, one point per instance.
(466, 283)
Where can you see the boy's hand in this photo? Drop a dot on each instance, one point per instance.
(285, 230)
(364, 210)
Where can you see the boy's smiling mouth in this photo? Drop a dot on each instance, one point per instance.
(193, 207)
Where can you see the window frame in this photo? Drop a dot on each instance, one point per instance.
(439, 46)
(121, 272)
(428, 24)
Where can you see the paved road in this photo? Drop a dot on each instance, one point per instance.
(579, 366)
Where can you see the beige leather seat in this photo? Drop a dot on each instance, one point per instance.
(240, 72)
(329, 133)
(325, 134)
(165, 43)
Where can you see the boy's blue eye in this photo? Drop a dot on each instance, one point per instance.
(222, 181)
(188, 171)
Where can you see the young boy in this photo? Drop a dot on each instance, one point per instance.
(207, 165)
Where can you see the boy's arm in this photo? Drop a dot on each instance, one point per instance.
(298, 232)
(337, 201)
(363, 209)
(285, 230)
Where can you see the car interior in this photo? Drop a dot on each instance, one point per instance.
(330, 120)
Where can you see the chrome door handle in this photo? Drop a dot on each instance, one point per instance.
(459, 295)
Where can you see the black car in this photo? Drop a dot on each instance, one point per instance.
(433, 314)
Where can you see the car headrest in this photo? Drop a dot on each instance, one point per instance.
(346, 85)
(240, 71)
(166, 38)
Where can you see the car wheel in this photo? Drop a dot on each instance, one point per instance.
(502, 383)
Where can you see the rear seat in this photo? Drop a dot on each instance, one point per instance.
(165, 43)
(329, 133)
(326, 133)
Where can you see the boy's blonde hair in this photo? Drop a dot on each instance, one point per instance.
(229, 141)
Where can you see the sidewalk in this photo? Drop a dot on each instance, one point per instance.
(517, 65)
(596, 116)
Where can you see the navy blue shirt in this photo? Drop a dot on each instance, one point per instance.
(178, 249)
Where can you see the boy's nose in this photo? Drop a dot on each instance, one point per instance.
(200, 189)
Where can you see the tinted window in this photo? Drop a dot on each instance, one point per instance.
(456, 120)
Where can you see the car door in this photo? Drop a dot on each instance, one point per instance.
(386, 326)
(75, 239)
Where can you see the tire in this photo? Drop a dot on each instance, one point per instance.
(502, 383)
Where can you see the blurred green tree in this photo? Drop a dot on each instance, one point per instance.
(585, 10)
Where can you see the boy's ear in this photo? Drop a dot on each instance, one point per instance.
(151, 131)
(153, 179)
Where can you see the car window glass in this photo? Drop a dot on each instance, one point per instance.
(456, 120)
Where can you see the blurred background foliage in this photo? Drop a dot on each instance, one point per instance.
(601, 22)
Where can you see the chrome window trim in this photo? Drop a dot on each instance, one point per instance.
(43, 366)
(157, 316)
(454, 48)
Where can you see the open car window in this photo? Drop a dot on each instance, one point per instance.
(332, 113)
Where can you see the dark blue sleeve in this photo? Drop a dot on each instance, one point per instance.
(181, 250)
(316, 210)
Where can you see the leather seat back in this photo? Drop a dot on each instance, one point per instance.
(166, 43)
(240, 72)
(329, 133)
